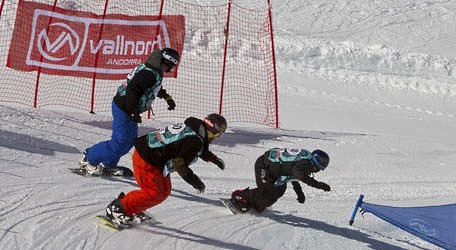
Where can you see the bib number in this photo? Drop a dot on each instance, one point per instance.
(176, 128)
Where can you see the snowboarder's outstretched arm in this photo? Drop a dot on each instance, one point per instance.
(298, 190)
(302, 170)
(316, 184)
(163, 95)
(187, 174)
(211, 157)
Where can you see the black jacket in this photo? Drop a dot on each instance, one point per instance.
(136, 87)
(144, 80)
(187, 148)
(300, 170)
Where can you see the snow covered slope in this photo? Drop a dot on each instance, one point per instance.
(370, 82)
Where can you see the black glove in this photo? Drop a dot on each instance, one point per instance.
(135, 117)
(201, 188)
(171, 103)
(196, 182)
(298, 190)
(323, 186)
(162, 94)
(219, 162)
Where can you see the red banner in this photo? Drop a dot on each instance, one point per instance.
(83, 44)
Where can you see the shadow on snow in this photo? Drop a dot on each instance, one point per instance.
(249, 136)
(183, 235)
(32, 144)
(293, 221)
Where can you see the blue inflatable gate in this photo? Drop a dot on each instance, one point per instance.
(435, 224)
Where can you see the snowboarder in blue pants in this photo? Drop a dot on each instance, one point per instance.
(134, 96)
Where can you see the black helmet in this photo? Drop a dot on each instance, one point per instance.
(215, 123)
(320, 159)
(170, 57)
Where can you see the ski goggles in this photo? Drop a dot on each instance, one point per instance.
(316, 161)
(172, 61)
(214, 128)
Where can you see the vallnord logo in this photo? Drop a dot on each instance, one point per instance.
(71, 42)
(71, 38)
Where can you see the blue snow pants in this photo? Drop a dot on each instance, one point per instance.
(124, 133)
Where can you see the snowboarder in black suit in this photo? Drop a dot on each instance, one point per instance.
(274, 169)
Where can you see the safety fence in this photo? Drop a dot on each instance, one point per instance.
(76, 53)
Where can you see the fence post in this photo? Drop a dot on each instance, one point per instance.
(160, 14)
(92, 99)
(37, 82)
(274, 64)
(1, 7)
(226, 32)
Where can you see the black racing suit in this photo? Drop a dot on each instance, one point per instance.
(267, 173)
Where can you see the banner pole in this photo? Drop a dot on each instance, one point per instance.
(358, 204)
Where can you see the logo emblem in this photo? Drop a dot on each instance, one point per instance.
(83, 44)
(422, 227)
(50, 49)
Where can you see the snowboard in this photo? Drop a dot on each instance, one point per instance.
(111, 224)
(118, 171)
(228, 204)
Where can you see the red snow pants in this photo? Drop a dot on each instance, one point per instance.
(155, 188)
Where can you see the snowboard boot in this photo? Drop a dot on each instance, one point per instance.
(116, 212)
(97, 170)
(90, 169)
(239, 202)
(141, 218)
(83, 162)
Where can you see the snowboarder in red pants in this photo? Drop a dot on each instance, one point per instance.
(159, 153)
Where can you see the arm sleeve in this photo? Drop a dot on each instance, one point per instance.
(301, 171)
(310, 181)
(297, 188)
(187, 174)
(193, 180)
(208, 156)
(181, 168)
(162, 94)
(185, 155)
